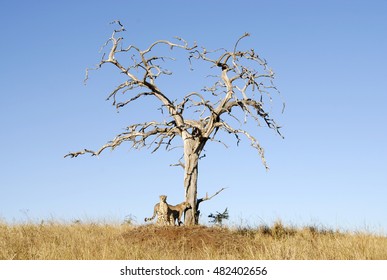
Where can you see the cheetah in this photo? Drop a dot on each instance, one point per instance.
(177, 211)
(168, 214)
(161, 209)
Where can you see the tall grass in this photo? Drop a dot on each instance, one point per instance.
(92, 241)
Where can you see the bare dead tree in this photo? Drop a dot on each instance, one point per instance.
(239, 90)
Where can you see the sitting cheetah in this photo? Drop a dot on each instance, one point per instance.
(161, 209)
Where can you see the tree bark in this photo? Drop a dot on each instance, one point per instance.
(190, 185)
(192, 149)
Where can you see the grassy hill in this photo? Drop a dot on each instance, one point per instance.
(79, 241)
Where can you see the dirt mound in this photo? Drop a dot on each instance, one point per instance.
(196, 237)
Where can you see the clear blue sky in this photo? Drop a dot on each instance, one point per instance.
(330, 58)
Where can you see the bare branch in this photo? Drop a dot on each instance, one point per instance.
(84, 151)
(208, 198)
(122, 28)
(189, 98)
(137, 134)
(171, 45)
(237, 42)
(254, 142)
(122, 104)
(181, 164)
(218, 141)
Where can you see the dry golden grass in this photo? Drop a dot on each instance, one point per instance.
(94, 241)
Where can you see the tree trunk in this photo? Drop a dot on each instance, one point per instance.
(192, 150)
(190, 185)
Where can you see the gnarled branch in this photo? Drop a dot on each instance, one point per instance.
(253, 141)
(137, 134)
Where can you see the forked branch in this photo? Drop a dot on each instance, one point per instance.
(207, 197)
